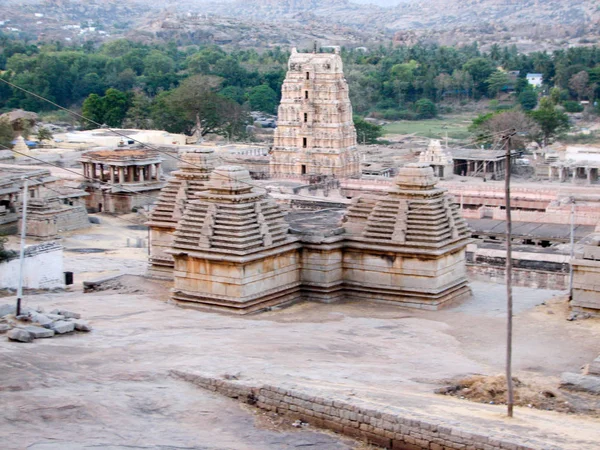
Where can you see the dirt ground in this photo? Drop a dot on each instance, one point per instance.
(110, 388)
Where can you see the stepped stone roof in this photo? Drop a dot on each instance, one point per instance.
(194, 171)
(414, 214)
(231, 217)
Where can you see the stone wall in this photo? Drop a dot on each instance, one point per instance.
(73, 218)
(388, 427)
(42, 268)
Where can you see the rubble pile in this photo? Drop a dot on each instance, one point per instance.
(36, 324)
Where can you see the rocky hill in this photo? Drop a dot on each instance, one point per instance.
(529, 24)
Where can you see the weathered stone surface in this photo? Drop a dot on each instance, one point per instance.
(41, 319)
(4, 327)
(577, 382)
(7, 309)
(594, 368)
(19, 335)
(62, 326)
(38, 332)
(55, 317)
(66, 314)
(81, 325)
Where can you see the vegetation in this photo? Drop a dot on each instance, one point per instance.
(366, 132)
(6, 134)
(133, 84)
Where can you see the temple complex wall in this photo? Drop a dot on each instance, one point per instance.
(119, 202)
(42, 268)
(161, 263)
(586, 286)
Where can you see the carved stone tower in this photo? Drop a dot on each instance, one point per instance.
(315, 133)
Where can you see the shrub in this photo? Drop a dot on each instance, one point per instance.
(572, 107)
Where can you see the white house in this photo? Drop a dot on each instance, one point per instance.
(535, 79)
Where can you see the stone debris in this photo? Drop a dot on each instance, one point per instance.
(62, 326)
(578, 382)
(38, 332)
(81, 325)
(33, 324)
(41, 319)
(66, 314)
(19, 335)
(6, 309)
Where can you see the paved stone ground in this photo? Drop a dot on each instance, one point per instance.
(110, 387)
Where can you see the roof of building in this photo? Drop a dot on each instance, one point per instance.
(478, 154)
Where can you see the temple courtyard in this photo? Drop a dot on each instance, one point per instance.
(115, 387)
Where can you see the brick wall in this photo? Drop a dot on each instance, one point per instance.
(362, 420)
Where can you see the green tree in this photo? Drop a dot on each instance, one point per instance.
(139, 113)
(93, 109)
(528, 99)
(262, 98)
(496, 82)
(425, 108)
(44, 134)
(116, 104)
(6, 134)
(366, 132)
(480, 69)
(550, 120)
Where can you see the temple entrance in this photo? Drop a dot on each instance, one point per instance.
(99, 207)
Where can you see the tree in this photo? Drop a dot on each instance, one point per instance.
(262, 98)
(496, 82)
(425, 108)
(93, 109)
(196, 107)
(480, 69)
(6, 133)
(43, 134)
(550, 120)
(579, 84)
(491, 127)
(138, 114)
(528, 99)
(367, 133)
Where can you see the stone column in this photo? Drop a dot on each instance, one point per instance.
(574, 179)
(94, 174)
(561, 174)
(141, 173)
(158, 171)
(588, 172)
(121, 175)
(112, 174)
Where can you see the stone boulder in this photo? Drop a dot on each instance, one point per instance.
(19, 335)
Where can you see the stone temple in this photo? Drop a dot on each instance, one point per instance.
(235, 249)
(315, 134)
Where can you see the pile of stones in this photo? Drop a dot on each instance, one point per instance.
(36, 324)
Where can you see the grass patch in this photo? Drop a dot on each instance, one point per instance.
(455, 127)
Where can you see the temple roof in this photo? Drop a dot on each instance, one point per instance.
(231, 216)
(416, 213)
(194, 171)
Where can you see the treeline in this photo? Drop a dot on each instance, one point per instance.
(123, 83)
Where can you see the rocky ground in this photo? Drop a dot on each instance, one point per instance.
(111, 387)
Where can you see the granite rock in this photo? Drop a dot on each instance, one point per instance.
(19, 335)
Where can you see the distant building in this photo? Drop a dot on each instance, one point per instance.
(120, 180)
(315, 133)
(535, 79)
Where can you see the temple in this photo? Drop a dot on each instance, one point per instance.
(120, 180)
(586, 276)
(236, 250)
(315, 134)
(195, 167)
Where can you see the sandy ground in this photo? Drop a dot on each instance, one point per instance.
(110, 388)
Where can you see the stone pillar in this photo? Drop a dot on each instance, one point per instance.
(94, 174)
(561, 174)
(574, 179)
(588, 172)
(141, 173)
(121, 175)
(112, 174)
(158, 171)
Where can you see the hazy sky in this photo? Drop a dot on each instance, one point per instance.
(380, 2)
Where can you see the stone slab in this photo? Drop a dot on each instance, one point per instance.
(62, 327)
(38, 332)
(7, 309)
(81, 325)
(577, 382)
(19, 335)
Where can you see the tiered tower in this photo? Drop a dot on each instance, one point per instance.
(232, 249)
(315, 133)
(409, 246)
(194, 171)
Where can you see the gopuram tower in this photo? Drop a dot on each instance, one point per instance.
(315, 134)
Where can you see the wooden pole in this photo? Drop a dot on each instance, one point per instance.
(509, 299)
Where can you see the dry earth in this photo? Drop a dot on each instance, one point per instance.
(110, 388)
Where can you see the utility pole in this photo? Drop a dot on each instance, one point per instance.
(572, 248)
(22, 250)
(509, 299)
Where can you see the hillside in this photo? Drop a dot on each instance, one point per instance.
(529, 24)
